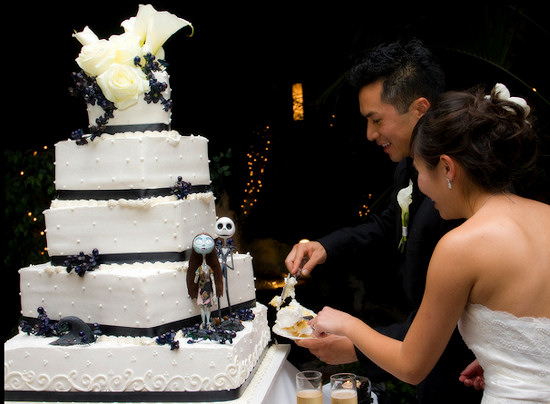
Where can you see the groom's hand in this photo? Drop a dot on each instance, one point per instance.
(332, 349)
(472, 376)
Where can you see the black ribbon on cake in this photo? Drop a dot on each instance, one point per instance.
(104, 194)
(153, 127)
(130, 258)
(125, 331)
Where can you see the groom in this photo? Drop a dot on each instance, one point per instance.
(397, 83)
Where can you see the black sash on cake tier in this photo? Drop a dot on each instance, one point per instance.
(124, 331)
(152, 127)
(105, 194)
(129, 258)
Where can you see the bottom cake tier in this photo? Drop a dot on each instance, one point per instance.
(134, 368)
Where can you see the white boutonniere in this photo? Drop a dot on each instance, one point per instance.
(404, 199)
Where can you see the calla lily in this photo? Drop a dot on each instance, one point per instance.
(404, 199)
(154, 27)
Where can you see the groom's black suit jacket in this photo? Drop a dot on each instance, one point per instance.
(377, 241)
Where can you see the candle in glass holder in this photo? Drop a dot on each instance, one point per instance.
(343, 388)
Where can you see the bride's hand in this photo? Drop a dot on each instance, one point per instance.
(472, 376)
(330, 321)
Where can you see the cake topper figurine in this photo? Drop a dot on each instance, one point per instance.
(204, 275)
(225, 229)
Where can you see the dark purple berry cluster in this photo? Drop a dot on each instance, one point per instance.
(82, 263)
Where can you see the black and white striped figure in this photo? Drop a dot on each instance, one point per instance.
(225, 229)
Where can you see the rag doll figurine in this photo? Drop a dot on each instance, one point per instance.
(204, 275)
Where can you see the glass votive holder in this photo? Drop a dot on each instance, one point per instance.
(343, 388)
(309, 385)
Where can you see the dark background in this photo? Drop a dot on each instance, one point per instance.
(232, 81)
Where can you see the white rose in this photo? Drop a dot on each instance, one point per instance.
(127, 47)
(96, 57)
(86, 36)
(123, 85)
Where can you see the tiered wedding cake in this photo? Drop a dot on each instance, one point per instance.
(132, 195)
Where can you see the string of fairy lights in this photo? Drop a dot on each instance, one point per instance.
(31, 215)
(257, 158)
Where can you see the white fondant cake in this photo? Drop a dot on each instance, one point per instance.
(131, 199)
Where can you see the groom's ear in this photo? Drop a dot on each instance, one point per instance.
(420, 106)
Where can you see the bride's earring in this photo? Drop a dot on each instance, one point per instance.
(449, 184)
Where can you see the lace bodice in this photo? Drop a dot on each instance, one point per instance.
(513, 351)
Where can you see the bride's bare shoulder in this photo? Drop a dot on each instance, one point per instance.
(503, 228)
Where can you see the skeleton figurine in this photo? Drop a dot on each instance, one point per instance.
(225, 229)
(204, 276)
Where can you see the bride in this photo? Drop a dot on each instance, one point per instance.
(492, 273)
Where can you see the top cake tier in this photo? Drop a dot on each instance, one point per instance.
(123, 80)
(143, 115)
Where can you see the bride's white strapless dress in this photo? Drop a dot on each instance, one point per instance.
(513, 351)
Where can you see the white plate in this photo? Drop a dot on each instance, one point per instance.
(283, 333)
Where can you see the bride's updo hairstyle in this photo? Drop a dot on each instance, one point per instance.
(489, 136)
